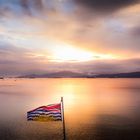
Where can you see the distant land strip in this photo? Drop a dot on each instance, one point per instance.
(69, 74)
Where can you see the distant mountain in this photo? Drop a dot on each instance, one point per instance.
(61, 74)
(69, 74)
(120, 75)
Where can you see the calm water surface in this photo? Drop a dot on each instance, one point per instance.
(95, 109)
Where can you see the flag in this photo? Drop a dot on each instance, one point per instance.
(45, 113)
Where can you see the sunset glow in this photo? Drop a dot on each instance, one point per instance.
(75, 55)
(81, 54)
(46, 35)
(67, 53)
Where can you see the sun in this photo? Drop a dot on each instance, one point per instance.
(70, 54)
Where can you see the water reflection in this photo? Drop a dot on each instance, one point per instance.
(100, 109)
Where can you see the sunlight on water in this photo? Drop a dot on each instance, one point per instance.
(94, 108)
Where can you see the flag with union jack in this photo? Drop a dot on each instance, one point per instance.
(45, 113)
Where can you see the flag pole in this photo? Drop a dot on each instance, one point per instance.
(63, 119)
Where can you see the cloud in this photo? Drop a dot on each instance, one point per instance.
(135, 31)
(108, 27)
(86, 7)
(16, 61)
(21, 7)
(105, 5)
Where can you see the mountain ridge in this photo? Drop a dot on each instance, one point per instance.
(70, 74)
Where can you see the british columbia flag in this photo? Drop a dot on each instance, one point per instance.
(45, 113)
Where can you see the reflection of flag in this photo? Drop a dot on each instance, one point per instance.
(45, 113)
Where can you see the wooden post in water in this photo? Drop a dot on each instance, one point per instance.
(63, 119)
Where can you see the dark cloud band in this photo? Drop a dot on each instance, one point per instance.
(105, 5)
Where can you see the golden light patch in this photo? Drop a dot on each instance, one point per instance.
(67, 53)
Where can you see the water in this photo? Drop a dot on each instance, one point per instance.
(95, 109)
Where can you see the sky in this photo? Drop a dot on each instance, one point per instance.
(93, 36)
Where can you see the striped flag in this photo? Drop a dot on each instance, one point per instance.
(45, 113)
